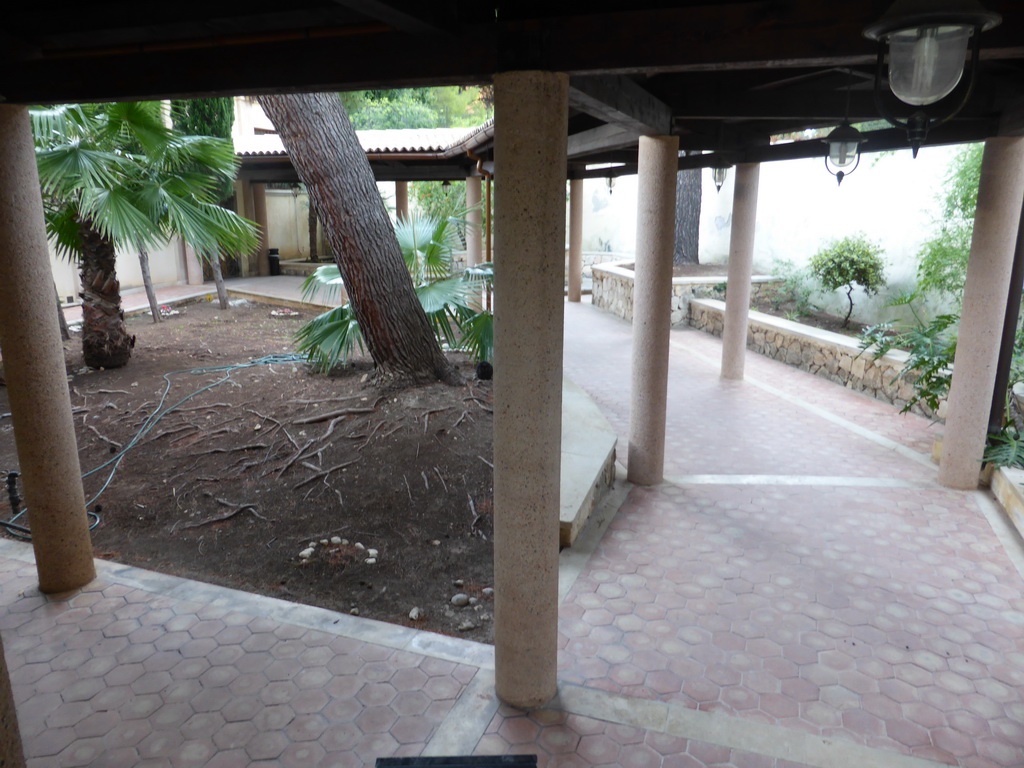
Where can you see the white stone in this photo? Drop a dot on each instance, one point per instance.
(359, 546)
(460, 600)
(335, 539)
(324, 542)
(371, 553)
(466, 626)
(371, 561)
(487, 592)
(415, 614)
(307, 553)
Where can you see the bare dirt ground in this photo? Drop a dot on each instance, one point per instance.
(258, 464)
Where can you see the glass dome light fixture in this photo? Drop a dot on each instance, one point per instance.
(843, 151)
(719, 171)
(927, 43)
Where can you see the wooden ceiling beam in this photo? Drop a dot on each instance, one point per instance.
(620, 101)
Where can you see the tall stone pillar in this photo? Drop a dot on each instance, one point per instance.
(37, 384)
(259, 215)
(575, 239)
(531, 110)
(474, 221)
(741, 267)
(652, 306)
(1000, 192)
(401, 200)
(11, 753)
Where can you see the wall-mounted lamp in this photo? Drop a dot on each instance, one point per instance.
(927, 43)
(843, 151)
(610, 181)
(446, 186)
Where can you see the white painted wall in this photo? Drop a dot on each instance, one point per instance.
(891, 198)
(166, 266)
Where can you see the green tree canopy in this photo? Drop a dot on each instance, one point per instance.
(440, 107)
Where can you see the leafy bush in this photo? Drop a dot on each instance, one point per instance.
(854, 260)
(798, 286)
(931, 345)
(943, 258)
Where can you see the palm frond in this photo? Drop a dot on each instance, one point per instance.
(436, 296)
(328, 339)
(478, 336)
(326, 279)
(66, 169)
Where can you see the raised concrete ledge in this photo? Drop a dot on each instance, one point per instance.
(624, 268)
(1008, 487)
(588, 460)
(896, 356)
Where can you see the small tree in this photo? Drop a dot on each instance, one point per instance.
(854, 260)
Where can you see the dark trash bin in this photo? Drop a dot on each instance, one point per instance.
(275, 262)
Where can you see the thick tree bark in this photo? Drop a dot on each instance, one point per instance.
(65, 333)
(324, 149)
(147, 282)
(688, 192)
(314, 256)
(105, 339)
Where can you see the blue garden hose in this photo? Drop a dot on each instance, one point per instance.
(22, 532)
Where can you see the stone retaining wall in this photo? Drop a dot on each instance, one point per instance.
(829, 355)
(613, 290)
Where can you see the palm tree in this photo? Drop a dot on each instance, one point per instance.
(449, 302)
(114, 176)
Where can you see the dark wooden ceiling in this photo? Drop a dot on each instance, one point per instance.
(724, 75)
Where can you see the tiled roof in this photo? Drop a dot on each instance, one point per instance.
(400, 141)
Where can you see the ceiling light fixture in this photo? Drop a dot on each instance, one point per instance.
(927, 44)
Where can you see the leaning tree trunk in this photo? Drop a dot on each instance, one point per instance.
(218, 280)
(314, 256)
(688, 192)
(324, 149)
(105, 339)
(147, 282)
(65, 332)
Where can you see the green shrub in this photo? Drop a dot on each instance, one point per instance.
(799, 286)
(854, 260)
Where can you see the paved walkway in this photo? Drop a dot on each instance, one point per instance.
(799, 593)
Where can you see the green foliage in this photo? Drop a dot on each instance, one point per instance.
(137, 182)
(943, 259)
(1005, 448)
(931, 345)
(204, 117)
(853, 260)
(798, 286)
(439, 107)
(329, 339)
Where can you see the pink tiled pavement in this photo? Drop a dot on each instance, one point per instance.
(869, 613)
(891, 617)
(563, 740)
(114, 676)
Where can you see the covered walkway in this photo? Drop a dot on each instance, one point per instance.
(799, 592)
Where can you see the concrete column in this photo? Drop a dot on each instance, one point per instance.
(474, 221)
(741, 267)
(1000, 192)
(531, 109)
(37, 384)
(11, 753)
(259, 215)
(575, 239)
(401, 200)
(652, 306)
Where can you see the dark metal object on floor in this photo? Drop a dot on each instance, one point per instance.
(529, 761)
